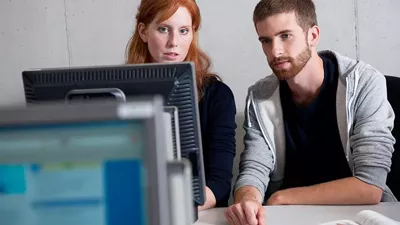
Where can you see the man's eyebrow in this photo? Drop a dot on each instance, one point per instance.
(263, 38)
(283, 32)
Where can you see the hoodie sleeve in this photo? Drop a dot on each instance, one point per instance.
(256, 160)
(371, 140)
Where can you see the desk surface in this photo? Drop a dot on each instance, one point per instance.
(304, 215)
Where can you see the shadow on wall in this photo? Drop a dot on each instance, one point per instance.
(239, 150)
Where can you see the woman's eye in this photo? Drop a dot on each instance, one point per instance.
(163, 29)
(184, 31)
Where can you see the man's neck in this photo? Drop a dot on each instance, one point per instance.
(305, 86)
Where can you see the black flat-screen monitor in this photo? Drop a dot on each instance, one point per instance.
(175, 82)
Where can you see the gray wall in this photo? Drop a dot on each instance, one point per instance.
(51, 33)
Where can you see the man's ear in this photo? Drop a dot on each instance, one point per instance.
(313, 36)
(142, 29)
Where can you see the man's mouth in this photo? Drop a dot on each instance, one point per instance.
(280, 63)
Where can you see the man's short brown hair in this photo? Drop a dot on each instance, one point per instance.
(304, 10)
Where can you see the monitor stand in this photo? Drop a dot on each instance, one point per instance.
(195, 212)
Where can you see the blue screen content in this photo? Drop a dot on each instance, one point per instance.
(106, 192)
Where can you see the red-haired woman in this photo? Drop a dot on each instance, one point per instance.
(167, 31)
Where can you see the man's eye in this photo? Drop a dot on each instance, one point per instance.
(285, 36)
(265, 41)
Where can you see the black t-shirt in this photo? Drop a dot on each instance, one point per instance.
(314, 152)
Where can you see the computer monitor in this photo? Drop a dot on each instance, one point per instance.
(84, 164)
(172, 112)
(175, 82)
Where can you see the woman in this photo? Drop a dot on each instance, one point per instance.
(167, 31)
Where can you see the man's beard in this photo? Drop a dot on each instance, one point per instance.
(297, 64)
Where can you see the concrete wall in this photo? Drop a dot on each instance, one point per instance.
(50, 33)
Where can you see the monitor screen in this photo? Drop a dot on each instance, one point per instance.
(99, 179)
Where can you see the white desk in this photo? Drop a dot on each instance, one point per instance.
(304, 215)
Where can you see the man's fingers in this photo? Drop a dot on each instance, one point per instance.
(262, 216)
(230, 221)
(235, 219)
(228, 217)
(238, 210)
(231, 217)
(250, 214)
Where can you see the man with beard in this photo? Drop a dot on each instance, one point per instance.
(318, 131)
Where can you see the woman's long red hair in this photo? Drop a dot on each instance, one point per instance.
(138, 53)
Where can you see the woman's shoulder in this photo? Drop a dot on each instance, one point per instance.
(217, 88)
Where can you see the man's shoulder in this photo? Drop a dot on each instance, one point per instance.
(359, 73)
(369, 73)
(365, 75)
(264, 87)
(349, 67)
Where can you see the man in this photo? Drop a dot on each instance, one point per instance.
(318, 131)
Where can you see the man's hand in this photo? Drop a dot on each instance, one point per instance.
(247, 212)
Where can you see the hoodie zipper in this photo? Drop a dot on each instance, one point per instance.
(349, 103)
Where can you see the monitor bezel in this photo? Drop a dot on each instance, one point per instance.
(150, 113)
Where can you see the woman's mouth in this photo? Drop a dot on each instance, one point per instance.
(171, 55)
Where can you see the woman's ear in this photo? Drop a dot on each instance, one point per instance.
(142, 29)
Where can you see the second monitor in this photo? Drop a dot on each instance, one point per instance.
(176, 82)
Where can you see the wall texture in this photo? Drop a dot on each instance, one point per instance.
(53, 33)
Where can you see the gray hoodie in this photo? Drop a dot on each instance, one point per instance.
(365, 121)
